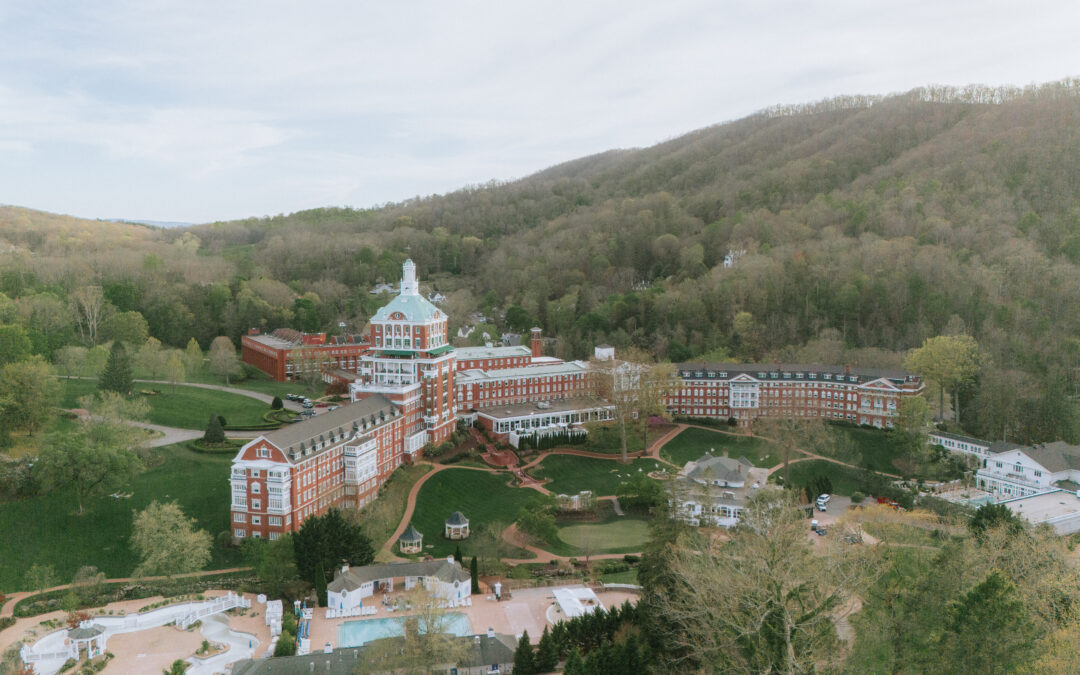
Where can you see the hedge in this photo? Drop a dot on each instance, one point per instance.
(43, 603)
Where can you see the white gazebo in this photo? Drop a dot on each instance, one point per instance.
(457, 526)
(90, 635)
(411, 541)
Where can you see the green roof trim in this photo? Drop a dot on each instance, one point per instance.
(440, 350)
(395, 352)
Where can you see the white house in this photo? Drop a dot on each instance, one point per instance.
(443, 578)
(1024, 471)
(714, 490)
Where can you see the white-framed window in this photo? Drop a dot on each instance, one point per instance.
(239, 533)
(256, 520)
(256, 504)
(239, 517)
(256, 488)
(275, 521)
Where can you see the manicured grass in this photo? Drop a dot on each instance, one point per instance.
(616, 535)
(625, 577)
(185, 408)
(483, 497)
(877, 447)
(570, 474)
(46, 529)
(694, 442)
(845, 480)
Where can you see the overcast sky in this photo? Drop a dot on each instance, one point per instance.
(199, 111)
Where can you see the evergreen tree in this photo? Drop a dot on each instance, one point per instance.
(524, 662)
(474, 572)
(457, 555)
(117, 375)
(215, 432)
(320, 585)
(547, 653)
(574, 665)
(276, 404)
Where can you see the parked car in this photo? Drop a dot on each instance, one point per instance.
(293, 397)
(308, 404)
(321, 404)
(333, 408)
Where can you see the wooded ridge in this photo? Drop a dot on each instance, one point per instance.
(860, 227)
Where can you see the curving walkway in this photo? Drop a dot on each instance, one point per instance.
(8, 608)
(215, 628)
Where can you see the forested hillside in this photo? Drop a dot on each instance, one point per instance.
(867, 225)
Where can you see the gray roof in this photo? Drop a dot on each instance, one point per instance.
(709, 468)
(440, 569)
(410, 534)
(339, 662)
(729, 370)
(482, 651)
(960, 437)
(457, 518)
(1055, 457)
(92, 631)
(335, 425)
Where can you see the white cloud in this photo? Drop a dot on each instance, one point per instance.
(189, 111)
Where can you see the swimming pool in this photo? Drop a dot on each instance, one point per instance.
(356, 633)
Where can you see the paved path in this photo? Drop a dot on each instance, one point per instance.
(410, 502)
(12, 598)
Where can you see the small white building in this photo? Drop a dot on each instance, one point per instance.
(444, 579)
(962, 444)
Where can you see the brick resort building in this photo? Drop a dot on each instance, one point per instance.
(409, 387)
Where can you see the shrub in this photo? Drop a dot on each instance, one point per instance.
(286, 644)
(276, 404)
(857, 497)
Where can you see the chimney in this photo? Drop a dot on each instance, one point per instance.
(491, 633)
(537, 343)
(253, 331)
(345, 568)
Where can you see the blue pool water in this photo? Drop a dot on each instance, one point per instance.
(356, 633)
(980, 501)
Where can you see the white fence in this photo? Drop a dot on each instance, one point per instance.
(225, 602)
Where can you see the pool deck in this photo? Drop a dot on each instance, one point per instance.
(525, 611)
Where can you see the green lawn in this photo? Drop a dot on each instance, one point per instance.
(186, 407)
(625, 577)
(694, 442)
(625, 534)
(845, 480)
(570, 474)
(483, 497)
(46, 529)
(877, 448)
